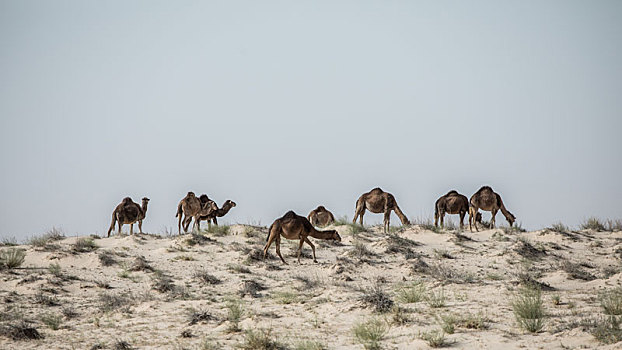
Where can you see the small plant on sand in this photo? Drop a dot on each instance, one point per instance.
(376, 297)
(360, 251)
(55, 269)
(435, 338)
(203, 276)
(309, 345)
(84, 245)
(611, 301)
(528, 308)
(436, 299)
(411, 293)
(355, 228)
(594, 224)
(235, 310)
(111, 302)
(162, 282)
(219, 230)
(261, 339)
(286, 297)
(107, 258)
(559, 227)
(52, 320)
(370, 333)
(448, 323)
(341, 221)
(606, 329)
(11, 258)
(556, 299)
(19, 330)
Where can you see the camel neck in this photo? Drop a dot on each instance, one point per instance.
(321, 234)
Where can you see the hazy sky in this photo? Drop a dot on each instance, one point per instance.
(284, 105)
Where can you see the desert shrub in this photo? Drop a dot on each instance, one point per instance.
(427, 224)
(21, 330)
(162, 282)
(52, 320)
(203, 276)
(261, 339)
(593, 223)
(308, 283)
(528, 309)
(122, 345)
(237, 268)
(355, 228)
(341, 221)
(55, 269)
(196, 316)
(45, 299)
(286, 297)
(251, 288)
(84, 245)
(222, 230)
(436, 299)
(235, 310)
(309, 345)
(435, 338)
(69, 312)
(397, 244)
(370, 333)
(360, 251)
(575, 271)
(11, 258)
(106, 258)
(140, 264)
(606, 329)
(442, 254)
(614, 225)
(559, 227)
(8, 241)
(611, 301)
(411, 293)
(375, 297)
(447, 274)
(111, 301)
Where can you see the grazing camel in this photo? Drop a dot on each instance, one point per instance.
(220, 212)
(378, 201)
(320, 216)
(128, 212)
(451, 203)
(488, 200)
(293, 226)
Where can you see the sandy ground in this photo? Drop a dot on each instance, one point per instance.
(478, 274)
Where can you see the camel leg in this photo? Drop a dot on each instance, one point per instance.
(120, 225)
(442, 215)
(387, 220)
(132, 229)
(302, 241)
(492, 220)
(462, 214)
(215, 221)
(278, 248)
(179, 224)
(312, 248)
(140, 226)
(186, 223)
(271, 238)
(197, 224)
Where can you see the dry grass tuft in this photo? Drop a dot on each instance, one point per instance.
(375, 297)
(11, 258)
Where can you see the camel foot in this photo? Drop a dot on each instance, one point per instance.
(315, 261)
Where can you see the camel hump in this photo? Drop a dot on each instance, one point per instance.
(452, 192)
(290, 215)
(127, 200)
(204, 198)
(320, 208)
(377, 189)
(485, 188)
(191, 194)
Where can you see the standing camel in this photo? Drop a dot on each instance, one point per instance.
(488, 200)
(293, 226)
(128, 212)
(451, 203)
(377, 201)
(320, 216)
(220, 212)
(189, 207)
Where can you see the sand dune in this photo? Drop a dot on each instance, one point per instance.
(183, 292)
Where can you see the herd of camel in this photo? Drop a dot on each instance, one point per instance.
(295, 227)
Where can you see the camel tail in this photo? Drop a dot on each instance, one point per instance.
(269, 230)
(114, 221)
(179, 210)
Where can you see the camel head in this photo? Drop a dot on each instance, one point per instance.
(511, 218)
(145, 199)
(334, 235)
(229, 203)
(204, 198)
(191, 194)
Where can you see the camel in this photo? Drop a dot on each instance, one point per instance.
(377, 201)
(220, 212)
(128, 212)
(320, 216)
(188, 208)
(208, 207)
(451, 203)
(293, 226)
(488, 200)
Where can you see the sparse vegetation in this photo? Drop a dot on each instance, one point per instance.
(436, 299)
(219, 230)
(435, 338)
(370, 333)
(611, 301)
(203, 276)
(411, 293)
(55, 269)
(162, 282)
(84, 245)
(20, 330)
(11, 258)
(605, 329)
(286, 297)
(559, 227)
(261, 339)
(235, 310)
(360, 251)
(111, 301)
(528, 308)
(594, 224)
(375, 297)
(52, 320)
(196, 316)
(309, 345)
(250, 287)
(107, 258)
(356, 228)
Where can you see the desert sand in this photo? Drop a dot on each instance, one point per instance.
(153, 291)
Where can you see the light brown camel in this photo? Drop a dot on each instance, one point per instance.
(128, 212)
(377, 201)
(220, 212)
(186, 209)
(451, 203)
(293, 226)
(320, 216)
(488, 200)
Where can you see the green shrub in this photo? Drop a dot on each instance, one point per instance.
(593, 223)
(412, 293)
(12, 257)
(370, 333)
(528, 308)
(611, 301)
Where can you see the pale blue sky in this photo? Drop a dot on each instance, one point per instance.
(284, 105)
